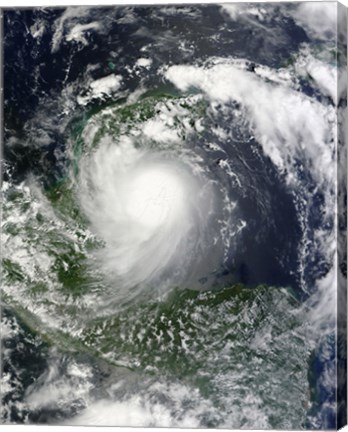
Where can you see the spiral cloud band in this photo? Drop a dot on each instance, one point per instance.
(156, 218)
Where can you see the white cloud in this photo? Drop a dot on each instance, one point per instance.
(239, 10)
(67, 19)
(319, 19)
(287, 123)
(100, 88)
(77, 32)
(105, 85)
(144, 62)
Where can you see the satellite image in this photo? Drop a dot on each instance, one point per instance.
(173, 216)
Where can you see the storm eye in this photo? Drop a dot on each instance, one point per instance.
(154, 196)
